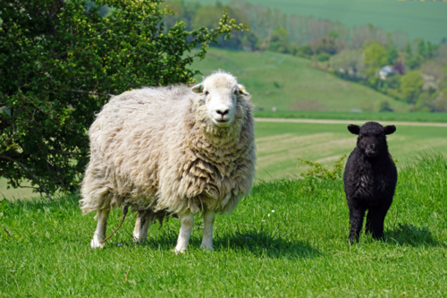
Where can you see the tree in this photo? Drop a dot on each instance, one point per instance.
(279, 41)
(325, 44)
(411, 85)
(375, 58)
(391, 55)
(60, 60)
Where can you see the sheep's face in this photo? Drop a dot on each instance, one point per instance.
(372, 137)
(220, 93)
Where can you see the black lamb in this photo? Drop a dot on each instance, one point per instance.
(370, 179)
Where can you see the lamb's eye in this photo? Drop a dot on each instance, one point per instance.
(206, 93)
(235, 92)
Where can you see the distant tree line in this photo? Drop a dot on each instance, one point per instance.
(414, 71)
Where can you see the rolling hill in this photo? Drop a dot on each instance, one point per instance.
(290, 84)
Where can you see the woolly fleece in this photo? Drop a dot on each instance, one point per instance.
(156, 148)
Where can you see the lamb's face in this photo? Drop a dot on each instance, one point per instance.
(372, 137)
(220, 93)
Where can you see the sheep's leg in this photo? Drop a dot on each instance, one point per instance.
(356, 216)
(187, 222)
(208, 221)
(100, 233)
(141, 226)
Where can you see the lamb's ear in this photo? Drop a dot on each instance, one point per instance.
(242, 90)
(389, 129)
(354, 129)
(197, 88)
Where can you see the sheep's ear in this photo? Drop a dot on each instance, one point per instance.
(197, 88)
(389, 129)
(354, 129)
(242, 90)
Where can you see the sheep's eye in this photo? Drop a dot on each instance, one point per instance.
(235, 92)
(206, 93)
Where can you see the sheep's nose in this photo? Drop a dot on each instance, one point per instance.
(223, 112)
(372, 146)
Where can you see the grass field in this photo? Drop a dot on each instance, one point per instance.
(289, 84)
(279, 145)
(420, 19)
(287, 239)
(376, 116)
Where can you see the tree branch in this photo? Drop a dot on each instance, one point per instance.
(29, 171)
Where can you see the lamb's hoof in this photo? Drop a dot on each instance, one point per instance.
(96, 243)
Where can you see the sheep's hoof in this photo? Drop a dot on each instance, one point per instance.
(180, 250)
(207, 247)
(96, 243)
(139, 239)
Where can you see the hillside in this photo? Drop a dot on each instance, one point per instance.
(289, 84)
(419, 19)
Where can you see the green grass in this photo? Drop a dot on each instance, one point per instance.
(279, 145)
(423, 19)
(290, 84)
(376, 116)
(300, 250)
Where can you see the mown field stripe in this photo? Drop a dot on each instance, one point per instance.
(326, 121)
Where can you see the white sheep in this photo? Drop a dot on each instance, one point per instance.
(171, 150)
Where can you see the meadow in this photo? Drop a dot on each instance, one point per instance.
(287, 239)
(280, 144)
(376, 116)
(419, 19)
(288, 83)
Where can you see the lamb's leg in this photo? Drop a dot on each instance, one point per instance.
(208, 221)
(187, 222)
(141, 226)
(100, 232)
(356, 216)
(368, 227)
(377, 220)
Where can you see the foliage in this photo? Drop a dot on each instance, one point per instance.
(326, 44)
(391, 55)
(348, 63)
(375, 58)
(385, 107)
(322, 57)
(303, 51)
(322, 172)
(279, 41)
(411, 85)
(59, 63)
(299, 250)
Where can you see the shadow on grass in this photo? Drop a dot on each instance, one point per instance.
(263, 243)
(258, 243)
(411, 235)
